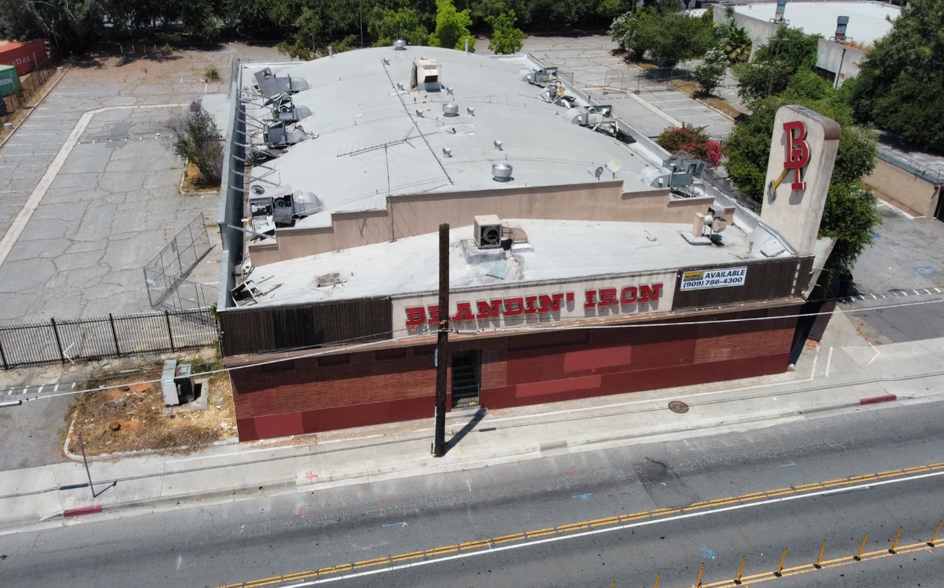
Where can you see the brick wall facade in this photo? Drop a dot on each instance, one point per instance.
(364, 388)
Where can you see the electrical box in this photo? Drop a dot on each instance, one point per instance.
(168, 385)
(184, 383)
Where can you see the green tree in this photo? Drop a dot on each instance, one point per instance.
(774, 64)
(197, 140)
(506, 38)
(900, 86)
(386, 26)
(452, 27)
(736, 45)
(710, 72)
(850, 210)
(628, 30)
(667, 33)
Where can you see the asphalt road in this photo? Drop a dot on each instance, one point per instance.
(232, 543)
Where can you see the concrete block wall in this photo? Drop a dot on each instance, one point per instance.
(335, 392)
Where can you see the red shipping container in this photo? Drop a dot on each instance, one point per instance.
(24, 56)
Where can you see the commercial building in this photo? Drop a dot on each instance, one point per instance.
(841, 46)
(583, 260)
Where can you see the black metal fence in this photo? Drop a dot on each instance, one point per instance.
(31, 83)
(111, 336)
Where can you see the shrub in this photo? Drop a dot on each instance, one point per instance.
(692, 140)
(211, 74)
(197, 139)
(710, 73)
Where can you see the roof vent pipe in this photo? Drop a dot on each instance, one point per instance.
(467, 45)
(501, 172)
(330, 51)
(498, 145)
(419, 112)
(399, 45)
(447, 152)
(471, 111)
(450, 109)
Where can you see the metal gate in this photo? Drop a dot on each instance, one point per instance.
(466, 373)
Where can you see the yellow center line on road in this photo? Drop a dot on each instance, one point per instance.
(525, 536)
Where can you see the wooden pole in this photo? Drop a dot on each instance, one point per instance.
(442, 343)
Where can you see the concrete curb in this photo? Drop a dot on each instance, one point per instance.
(291, 486)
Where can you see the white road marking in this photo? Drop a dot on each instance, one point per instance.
(56, 389)
(877, 353)
(829, 360)
(701, 513)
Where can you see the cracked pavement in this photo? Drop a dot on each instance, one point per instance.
(115, 203)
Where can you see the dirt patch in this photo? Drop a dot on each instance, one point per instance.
(718, 104)
(132, 417)
(194, 183)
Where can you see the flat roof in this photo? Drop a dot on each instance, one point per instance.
(868, 21)
(555, 250)
(371, 142)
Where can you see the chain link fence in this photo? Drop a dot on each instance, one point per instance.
(165, 275)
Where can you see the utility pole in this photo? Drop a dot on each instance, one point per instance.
(442, 343)
(360, 19)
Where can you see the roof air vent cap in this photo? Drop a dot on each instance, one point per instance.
(450, 109)
(501, 172)
(399, 45)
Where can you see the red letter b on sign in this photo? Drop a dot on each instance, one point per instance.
(798, 152)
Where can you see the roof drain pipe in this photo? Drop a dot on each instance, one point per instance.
(467, 46)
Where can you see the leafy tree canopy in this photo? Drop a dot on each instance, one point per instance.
(452, 27)
(775, 63)
(386, 26)
(900, 86)
(506, 38)
(850, 207)
(665, 32)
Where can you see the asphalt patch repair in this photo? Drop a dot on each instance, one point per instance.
(130, 417)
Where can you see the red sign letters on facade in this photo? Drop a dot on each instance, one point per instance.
(798, 152)
(537, 304)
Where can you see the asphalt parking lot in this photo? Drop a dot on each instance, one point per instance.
(610, 80)
(903, 262)
(92, 175)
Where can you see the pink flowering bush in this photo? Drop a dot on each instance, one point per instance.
(692, 140)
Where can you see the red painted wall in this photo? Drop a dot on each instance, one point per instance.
(25, 56)
(336, 392)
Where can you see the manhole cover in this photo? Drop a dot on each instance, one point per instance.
(678, 406)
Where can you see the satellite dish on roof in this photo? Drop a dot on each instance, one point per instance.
(595, 170)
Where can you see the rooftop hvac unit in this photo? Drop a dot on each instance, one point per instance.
(488, 231)
(425, 74)
(542, 76)
(841, 23)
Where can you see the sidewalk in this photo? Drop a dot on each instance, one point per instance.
(837, 375)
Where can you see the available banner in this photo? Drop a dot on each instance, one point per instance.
(714, 278)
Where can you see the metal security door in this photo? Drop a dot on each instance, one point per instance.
(466, 372)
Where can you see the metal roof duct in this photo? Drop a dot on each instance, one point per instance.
(501, 172)
(450, 109)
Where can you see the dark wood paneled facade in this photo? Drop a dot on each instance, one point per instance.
(267, 329)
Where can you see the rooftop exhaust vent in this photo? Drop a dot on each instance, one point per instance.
(447, 152)
(419, 112)
(778, 14)
(399, 45)
(498, 145)
(385, 61)
(501, 172)
(841, 23)
(471, 111)
(450, 109)
(450, 90)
